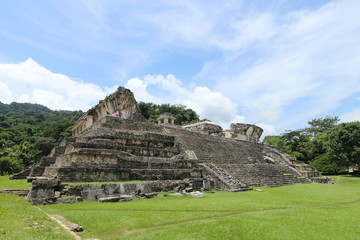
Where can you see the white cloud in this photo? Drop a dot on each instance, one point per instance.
(208, 104)
(268, 129)
(138, 87)
(30, 82)
(225, 26)
(5, 93)
(277, 65)
(309, 63)
(351, 116)
(212, 105)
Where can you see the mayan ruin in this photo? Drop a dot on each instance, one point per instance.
(113, 142)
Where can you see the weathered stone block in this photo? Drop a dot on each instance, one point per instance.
(89, 195)
(208, 185)
(66, 200)
(196, 184)
(125, 198)
(89, 192)
(130, 188)
(43, 191)
(75, 190)
(112, 188)
(109, 199)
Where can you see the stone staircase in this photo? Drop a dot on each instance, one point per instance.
(224, 179)
(38, 169)
(19, 192)
(278, 175)
(270, 175)
(307, 170)
(267, 167)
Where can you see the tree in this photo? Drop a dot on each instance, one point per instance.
(324, 164)
(45, 145)
(322, 125)
(309, 144)
(182, 114)
(297, 144)
(276, 141)
(5, 166)
(23, 127)
(344, 144)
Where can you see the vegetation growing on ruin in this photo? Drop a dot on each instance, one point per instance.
(303, 211)
(328, 146)
(182, 114)
(29, 131)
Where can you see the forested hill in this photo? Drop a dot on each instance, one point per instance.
(29, 131)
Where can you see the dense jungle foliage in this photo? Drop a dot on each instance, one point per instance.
(328, 146)
(182, 114)
(29, 131)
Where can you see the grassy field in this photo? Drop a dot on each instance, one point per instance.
(308, 211)
(5, 183)
(20, 220)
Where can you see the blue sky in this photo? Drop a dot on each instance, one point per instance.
(277, 64)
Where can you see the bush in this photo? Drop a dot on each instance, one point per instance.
(5, 166)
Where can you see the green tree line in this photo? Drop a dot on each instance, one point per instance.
(182, 114)
(324, 144)
(30, 131)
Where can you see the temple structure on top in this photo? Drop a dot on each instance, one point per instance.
(166, 118)
(114, 142)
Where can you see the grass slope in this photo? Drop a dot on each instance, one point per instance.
(20, 220)
(308, 211)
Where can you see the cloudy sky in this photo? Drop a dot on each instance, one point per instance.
(277, 64)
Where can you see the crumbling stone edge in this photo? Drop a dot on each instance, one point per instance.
(52, 191)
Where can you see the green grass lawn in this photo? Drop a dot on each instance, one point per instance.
(5, 183)
(304, 211)
(20, 220)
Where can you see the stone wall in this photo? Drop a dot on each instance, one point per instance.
(52, 191)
